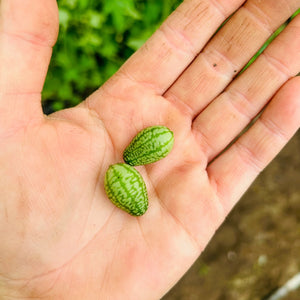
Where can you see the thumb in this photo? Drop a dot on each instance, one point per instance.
(28, 30)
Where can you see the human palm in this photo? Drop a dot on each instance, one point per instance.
(61, 238)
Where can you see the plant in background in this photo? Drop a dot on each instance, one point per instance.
(95, 38)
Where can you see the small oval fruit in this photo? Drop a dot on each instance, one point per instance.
(149, 145)
(126, 189)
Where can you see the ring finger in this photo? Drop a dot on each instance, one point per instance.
(230, 112)
(227, 53)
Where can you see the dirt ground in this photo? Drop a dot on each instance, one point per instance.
(257, 248)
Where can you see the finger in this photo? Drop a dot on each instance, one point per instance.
(176, 43)
(28, 30)
(230, 113)
(236, 168)
(227, 53)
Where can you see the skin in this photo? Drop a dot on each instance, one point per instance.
(61, 238)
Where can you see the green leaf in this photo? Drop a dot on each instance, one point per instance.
(95, 39)
(64, 17)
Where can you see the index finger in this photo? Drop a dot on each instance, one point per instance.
(159, 62)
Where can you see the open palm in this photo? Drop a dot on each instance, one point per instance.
(61, 238)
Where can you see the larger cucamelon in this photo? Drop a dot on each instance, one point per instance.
(126, 188)
(149, 145)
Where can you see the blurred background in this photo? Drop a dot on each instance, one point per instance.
(95, 38)
(256, 250)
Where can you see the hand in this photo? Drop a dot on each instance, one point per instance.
(61, 238)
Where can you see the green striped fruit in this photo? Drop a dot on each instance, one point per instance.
(126, 189)
(149, 145)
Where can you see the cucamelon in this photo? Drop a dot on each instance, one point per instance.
(126, 188)
(149, 145)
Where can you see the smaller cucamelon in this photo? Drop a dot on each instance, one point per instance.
(126, 188)
(149, 145)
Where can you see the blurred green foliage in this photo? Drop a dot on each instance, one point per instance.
(96, 37)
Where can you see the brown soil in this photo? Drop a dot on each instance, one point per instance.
(257, 248)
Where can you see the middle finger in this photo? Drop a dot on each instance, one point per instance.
(227, 53)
